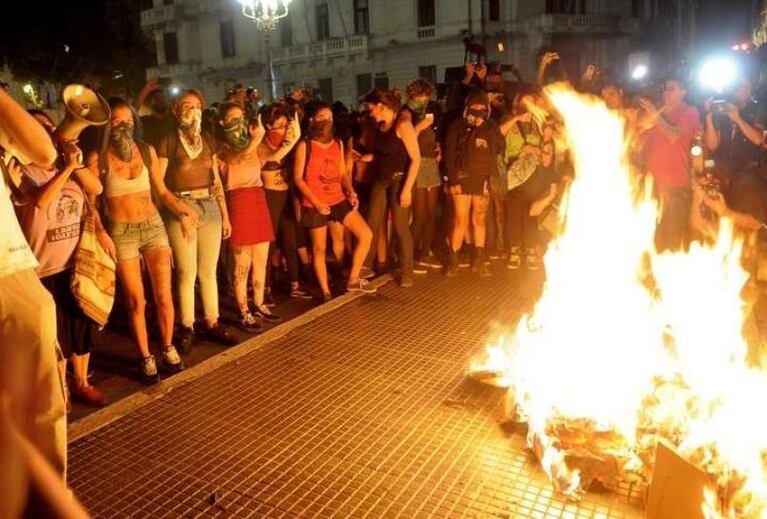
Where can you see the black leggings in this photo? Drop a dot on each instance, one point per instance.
(73, 327)
(521, 228)
(285, 229)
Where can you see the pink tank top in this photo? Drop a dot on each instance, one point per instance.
(242, 174)
(322, 173)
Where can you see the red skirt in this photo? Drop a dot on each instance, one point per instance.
(249, 216)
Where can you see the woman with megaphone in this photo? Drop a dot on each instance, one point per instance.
(129, 169)
(50, 205)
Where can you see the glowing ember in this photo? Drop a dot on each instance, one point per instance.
(626, 345)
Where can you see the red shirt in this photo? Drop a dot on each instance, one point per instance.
(323, 173)
(669, 162)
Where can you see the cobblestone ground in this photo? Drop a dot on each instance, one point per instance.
(363, 412)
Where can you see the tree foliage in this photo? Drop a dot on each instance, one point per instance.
(86, 41)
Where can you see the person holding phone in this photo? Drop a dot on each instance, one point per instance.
(733, 133)
(421, 111)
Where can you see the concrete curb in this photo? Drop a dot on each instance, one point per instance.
(103, 417)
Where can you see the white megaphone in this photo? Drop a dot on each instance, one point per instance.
(84, 108)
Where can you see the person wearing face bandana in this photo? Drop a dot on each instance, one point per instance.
(472, 147)
(129, 171)
(329, 201)
(290, 242)
(252, 230)
(426, 192)
(190, 168)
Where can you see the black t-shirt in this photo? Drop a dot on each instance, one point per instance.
(736, 153)
(472, 152)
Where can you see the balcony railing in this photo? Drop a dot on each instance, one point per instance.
(159, 16)
(175, 70)
(426, 32)
(322, 49)
(581, 23)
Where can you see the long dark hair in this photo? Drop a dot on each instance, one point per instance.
(391, 99)
(271, 112)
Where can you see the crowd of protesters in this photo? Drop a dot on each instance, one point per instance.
(242, 199)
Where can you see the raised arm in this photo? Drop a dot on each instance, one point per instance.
(711, 135)
(266, 154)
(23, 136)
(73, 164)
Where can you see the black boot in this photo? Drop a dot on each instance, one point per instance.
(480, 266)
(452, 264)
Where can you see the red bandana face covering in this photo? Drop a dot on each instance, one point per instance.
(276, 137)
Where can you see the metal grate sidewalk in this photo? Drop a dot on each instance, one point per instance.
(362, 413)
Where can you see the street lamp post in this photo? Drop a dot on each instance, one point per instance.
(266, 14)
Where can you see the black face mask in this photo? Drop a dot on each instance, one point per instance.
(121, 138)
(321, 131)
(479, 114)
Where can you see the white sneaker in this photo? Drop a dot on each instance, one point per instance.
(363, 285)
(149, 369)
(172, 359)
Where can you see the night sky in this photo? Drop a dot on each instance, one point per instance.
(724, 22)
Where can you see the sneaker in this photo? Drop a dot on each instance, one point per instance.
(464, 260)
(88, 395)
(532, 262)
(149, 370)
(515, 259)
(265, 314)
(296, 292)
(171, 359)
(367, 273)
(431, 261)
(326, 297)
(406, 281)
(185, 339)
(420, 268)
(484, 271)
(269, 298)
(361, 285)
(494, 255)
(249, 323)
(217, 333)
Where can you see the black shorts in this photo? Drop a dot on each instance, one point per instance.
(312, 219)
(474, 186)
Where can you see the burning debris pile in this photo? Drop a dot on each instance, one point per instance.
(627, 347)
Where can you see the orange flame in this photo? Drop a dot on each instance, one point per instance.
(602, 334)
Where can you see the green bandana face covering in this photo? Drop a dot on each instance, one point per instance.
(236, 134)
(418, 107)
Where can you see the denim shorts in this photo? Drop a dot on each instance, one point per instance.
(131, 239)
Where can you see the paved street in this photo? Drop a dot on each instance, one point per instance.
(363, 412)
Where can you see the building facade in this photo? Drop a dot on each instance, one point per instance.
(342, 48)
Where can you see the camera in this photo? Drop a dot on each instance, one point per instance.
(719, 106)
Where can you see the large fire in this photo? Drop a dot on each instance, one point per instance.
(627, 346)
